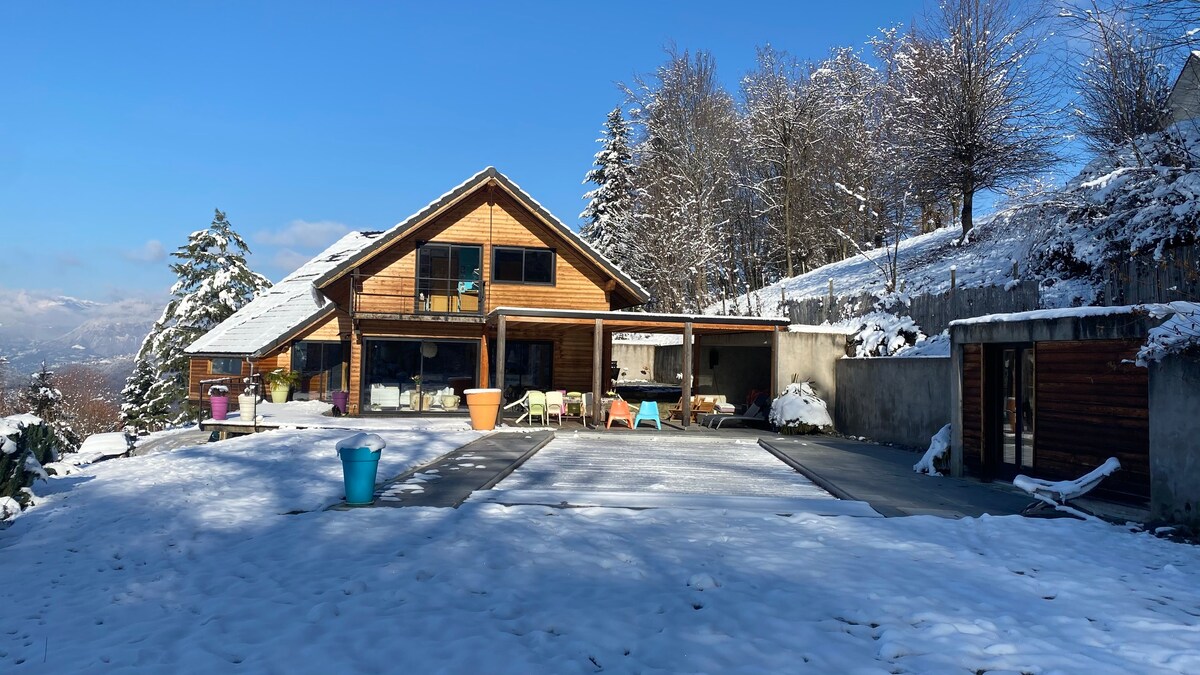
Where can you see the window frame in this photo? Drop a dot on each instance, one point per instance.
(524, 265)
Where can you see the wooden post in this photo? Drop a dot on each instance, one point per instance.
(1016, 268)
(829, 306)
(687, 373)
(597, 351)
(776, 389)
(501, 325)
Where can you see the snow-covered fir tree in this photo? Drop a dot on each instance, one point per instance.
(610, 204)
(213, 281)
(138, 409)
(43, 399)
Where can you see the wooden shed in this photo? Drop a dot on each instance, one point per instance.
(1052, 394)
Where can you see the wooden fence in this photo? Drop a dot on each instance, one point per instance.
(1142, 279)
(932, 312)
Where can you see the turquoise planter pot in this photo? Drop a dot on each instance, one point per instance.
(359, 468)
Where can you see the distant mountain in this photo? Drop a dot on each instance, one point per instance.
(61, 330)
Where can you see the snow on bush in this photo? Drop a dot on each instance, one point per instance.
(1181, 331)
(939, 445)
(800, 410)
(26, 444)
(882, 334)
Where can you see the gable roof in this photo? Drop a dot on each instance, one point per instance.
(281, 310)
(1183, 103)
(456, 195)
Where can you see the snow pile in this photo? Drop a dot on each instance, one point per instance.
(800, 410)
(939, 446)
(1180, 332)
(98, 447)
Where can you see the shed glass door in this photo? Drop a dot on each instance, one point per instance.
(1012, 402)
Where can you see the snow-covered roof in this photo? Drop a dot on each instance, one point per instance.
(462, 190)
(287, 306)
(1049, 314)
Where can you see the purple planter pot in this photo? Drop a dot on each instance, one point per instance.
(340, 399)
(220, 407)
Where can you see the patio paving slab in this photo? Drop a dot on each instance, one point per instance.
(883, 477)
(448, 480)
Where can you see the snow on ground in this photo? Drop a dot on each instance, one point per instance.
(313, 414)
(183, 562)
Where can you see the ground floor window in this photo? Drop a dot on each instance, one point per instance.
(417, 375)
(321, 366)
(225, 366)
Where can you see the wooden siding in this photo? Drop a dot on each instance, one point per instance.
(332, 329)
(972, 408)
(200, 369)
(492, 218)
(1092, 404)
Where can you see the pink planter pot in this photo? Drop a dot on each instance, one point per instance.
(220, 407)
(340, 398)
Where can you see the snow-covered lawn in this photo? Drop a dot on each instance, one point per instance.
(184, 562)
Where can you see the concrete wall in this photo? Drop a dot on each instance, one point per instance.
(1174, 448)
(893, 400)
(635, 360)
(811, 356)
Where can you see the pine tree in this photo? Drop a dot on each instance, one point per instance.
(611, 203)
(213, 282)
(43, 399)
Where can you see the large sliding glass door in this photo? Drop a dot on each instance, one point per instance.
(417, 375)
(528, 364)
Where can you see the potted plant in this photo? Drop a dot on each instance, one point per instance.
(281, 381)
(248, 400)
(416, 396)
(218, 401)
(340, 398)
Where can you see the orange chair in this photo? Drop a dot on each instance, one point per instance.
(619, 410)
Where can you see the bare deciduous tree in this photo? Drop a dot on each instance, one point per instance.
(978, 110)
(1121, 79)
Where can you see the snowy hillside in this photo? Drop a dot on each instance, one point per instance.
(1132, 203)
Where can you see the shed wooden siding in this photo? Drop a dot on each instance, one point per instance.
(1091, 403)
(972, 407)
(200, 369)
(490, 218)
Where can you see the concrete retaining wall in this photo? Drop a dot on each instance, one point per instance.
(635, 361)
(893, 400)
(812, 356)
(1174, 448)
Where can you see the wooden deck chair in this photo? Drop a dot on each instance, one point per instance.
(703, 408)
(537, 406)
(555, 405)
(1056, 494)
(648, 412)
(619, 410)
(676, 411)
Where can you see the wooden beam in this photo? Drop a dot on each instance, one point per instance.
(501, 357)
(687, 373)
(597, 358)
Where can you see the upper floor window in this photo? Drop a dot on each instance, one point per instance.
(225, 366)
(523, 265)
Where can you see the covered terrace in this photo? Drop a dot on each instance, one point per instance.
(557, 324)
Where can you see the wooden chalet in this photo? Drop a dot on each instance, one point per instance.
(429, 304)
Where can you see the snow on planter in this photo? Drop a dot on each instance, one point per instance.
(939, 445)
(363, 440)
(800, 410)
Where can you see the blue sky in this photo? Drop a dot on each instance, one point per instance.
(122, 125)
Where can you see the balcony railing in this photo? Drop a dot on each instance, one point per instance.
(380, 294)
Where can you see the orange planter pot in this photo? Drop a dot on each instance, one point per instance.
(484, 404)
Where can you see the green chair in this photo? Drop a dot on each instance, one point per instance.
(648, 411)
(537, 406)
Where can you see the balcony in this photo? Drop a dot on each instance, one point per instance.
(389, 297)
